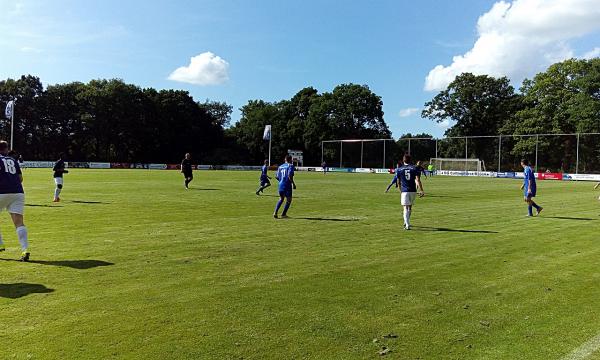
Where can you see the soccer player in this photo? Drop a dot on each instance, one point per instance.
(394, 181)
(431, 169)
(285, 176)
(409, 179)
(529, 188)
(421, 169)
(264, 178)
(12, 197)
(186, 170)
(324, 166)
(59, 170)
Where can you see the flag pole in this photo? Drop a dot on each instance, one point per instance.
(270, 137)
(12, 122)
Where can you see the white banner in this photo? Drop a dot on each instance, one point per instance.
(582, 177)
(99, 165)
(267, 132)
(157, 166)
(10, 108)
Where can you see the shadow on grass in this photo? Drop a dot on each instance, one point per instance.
(429, 228)
(18, 290)
(568, 218)
(74, 264)
(88, 202)
(44, 205)
(324, 219)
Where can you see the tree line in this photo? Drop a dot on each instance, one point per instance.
(110, 120)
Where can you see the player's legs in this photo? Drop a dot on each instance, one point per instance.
(58, 181)
(390, 185)
(16, 210)
(2, 247)
(407, 199)
(288, 203)
(279, 202)
(188, 179)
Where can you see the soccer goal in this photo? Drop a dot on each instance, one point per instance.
(458, 164)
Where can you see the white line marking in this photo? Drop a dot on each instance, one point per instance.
(585, 350)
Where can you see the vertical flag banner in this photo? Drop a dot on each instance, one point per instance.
(10, 109)
(267, 133)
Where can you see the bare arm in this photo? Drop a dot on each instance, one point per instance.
(420, 185)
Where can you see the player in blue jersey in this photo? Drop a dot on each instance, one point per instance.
(12, 197)
(394, 181)
(529, 188)
(264, 178)
(59, 170)
(285, 176)
(409, 179)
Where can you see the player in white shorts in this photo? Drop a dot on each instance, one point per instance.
(59, 170)
(12, 197)
(408, 178)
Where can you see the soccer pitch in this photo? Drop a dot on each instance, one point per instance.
(130, 265)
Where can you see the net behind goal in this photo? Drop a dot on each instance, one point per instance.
(458, 164)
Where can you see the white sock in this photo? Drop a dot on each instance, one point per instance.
(408, 212)
(1, 242)
(56, 193)
(22, 235)
(405, 217)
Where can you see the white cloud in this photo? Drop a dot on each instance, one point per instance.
(521, 38)
(29, 49)
(408, 112)
(444, 124)
(592, 54)
(204, 69)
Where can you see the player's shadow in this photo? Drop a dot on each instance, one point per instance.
(18, 290)
(442, 229)
(325, 219)
(43, 205)
(88, 202)
(73, 264)
(569, 218)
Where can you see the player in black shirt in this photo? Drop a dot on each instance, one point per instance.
(59, 170)
(421, 169)
(186, 169)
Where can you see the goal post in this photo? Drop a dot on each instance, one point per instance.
(458, 164)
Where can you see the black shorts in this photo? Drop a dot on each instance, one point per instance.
(188, 175)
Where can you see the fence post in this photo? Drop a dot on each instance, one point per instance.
(361, 153)
(383, 154)
(499, 152)
(466, 154)
(577, 163)
(321, 152)
(536, 152)
(341, 149)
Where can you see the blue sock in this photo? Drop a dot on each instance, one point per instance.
(286, 207)
(530, 210)
(278, 206)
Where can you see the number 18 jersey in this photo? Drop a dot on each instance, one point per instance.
(10, 181)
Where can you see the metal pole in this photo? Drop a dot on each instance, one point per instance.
(436, 148)
(466, 154)
(383, 154)
(536, 152)
(321, 152)
(499, 152)
(341, 149)
(408, 146)
(12, 123)
(576, 164)
(361, 153)
(270, 137)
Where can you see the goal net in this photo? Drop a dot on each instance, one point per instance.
(458, 164)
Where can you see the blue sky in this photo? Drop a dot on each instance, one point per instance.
(272, 49)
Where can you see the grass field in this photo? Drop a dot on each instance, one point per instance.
(132, 266)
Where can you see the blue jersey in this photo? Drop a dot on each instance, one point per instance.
(285, 174)
(407, 175)
(10, 179)
(529, 175)
(263, 171)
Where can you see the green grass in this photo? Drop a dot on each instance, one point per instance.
(141, 269)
